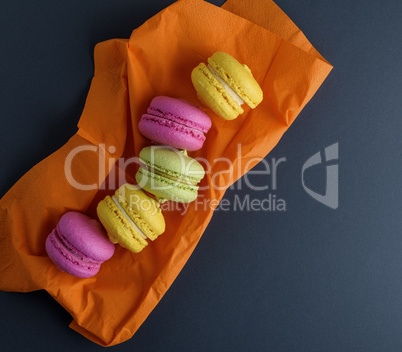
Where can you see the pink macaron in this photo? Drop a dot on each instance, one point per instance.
(176, 123)
(79, 245)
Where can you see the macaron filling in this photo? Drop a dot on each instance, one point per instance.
(227, 88)
(173, 178)
(128, 217)
(163, 183)
(177, 119)
(170, 123)
(169, 174)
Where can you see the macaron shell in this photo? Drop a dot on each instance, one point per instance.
(118, 228)
(170, 133)
(175, 122)
(142, 209)
(238, 77)
(86, 235)
(164, 188)
(213, 95)
(67, 261)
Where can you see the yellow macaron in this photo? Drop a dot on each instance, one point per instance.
(224, 85)
(130, 217)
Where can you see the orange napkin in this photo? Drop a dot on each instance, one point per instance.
(156, 60)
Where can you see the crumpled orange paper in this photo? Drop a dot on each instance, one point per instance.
(156, 60)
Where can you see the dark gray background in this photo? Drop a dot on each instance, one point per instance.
(308, 279)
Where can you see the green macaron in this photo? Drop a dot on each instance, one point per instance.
(169, 174)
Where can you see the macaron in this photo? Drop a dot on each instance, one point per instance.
(169, 174)
(175, 122)
(224, 85)
(78, 245)
(131, 217)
